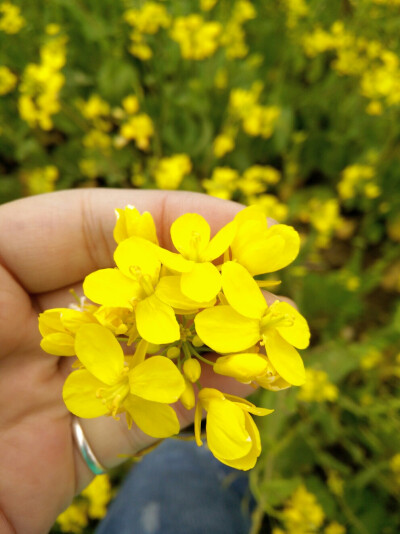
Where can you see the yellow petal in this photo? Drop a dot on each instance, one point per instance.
(248, 406)
(258, 255)
(99, 351)
(290, 249)
(79, 394)
(225, 330)
(245, 367)
(153, 418)
(156, 321)
(136, 257)
(226, 430)
(111, 288)
(131, 223)
(220, 242)
(249, 460)
(59, 344)
(74, 319)
(174, 262)
(296, 331)
(187, 398)
(157, 379)
(202, 283)
(242, 291)
(50, 321)
(198, 415)
(190, 235)
(169, 291)
(285, 358)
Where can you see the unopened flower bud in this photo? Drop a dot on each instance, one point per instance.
(192, 369)
(197, 342)
(173, 352)
(187, 398)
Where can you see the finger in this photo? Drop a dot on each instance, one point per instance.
(51, 241)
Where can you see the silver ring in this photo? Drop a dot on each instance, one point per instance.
(85, 449)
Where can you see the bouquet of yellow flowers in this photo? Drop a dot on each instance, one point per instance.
(149, 325)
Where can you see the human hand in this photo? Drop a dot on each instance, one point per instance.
(48, 244)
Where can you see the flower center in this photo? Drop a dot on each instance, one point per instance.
(144, 280)
(273, 320)
(113, 396)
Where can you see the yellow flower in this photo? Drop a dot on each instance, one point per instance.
(107, 385)
(302, 513)
(131, 104)
(248, 319)
(140, 129)
(98, 493)
(169, 172)
(58, 327)
(11, 20)
(190, 233)
(8, 80)
(223, 144)
(335, 528)
(317, 387)
(137, 285)
(232, 435)
(131, 223)
(262, 249)
(197, 39)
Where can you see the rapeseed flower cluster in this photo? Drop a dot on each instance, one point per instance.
(147, 20)
(376, 67)
(197, 38)
(40, 179)
(358, 180)
(8, 80)
(156, 316)
(91, 504)
(41, 85)
(317, 387)
(11, 20)
(170, 171)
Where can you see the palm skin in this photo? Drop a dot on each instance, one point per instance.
(48, 244)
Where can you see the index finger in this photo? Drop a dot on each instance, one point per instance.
(54, 240)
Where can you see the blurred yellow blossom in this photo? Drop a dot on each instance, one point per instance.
(223, 182)
(295, 10)
(11, 20)
(74, 519)
(140, 129)
(358, 178)
(197, 38)
(335, 483)
(207, 5)
(41, 85)
(8, 80)
(317, 387)
(335, 528)
(149, 18)
(98, 493)
(302, 514)
(40, 180)
(371, 359)
(222, 145)
(131, 104)
(169, 172)
(271, 205)
(94, 107)
(90, 504)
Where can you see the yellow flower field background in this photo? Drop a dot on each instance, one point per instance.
(293, 105)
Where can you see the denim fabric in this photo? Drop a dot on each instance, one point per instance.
(180, 488)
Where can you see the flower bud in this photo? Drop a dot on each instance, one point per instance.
(187, 397)
(173, 352)
(197, 342)
(192, 369)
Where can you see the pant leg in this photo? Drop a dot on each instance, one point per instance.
(180, 488)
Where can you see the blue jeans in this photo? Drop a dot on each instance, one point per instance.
(181, 488)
